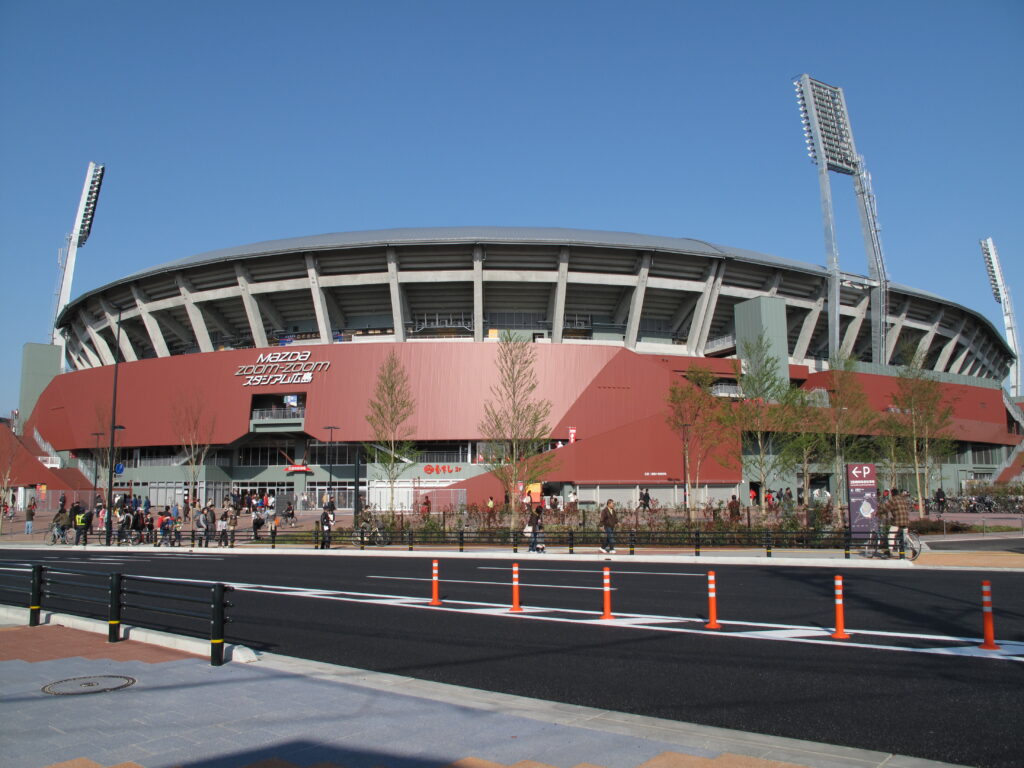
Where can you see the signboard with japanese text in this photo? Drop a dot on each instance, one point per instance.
(861, 480)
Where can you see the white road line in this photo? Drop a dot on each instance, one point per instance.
(1011, 651)
(491, 583)
(594, 571)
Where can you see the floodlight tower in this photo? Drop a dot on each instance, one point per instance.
(831, 147)
(1002, 295)
(77, 238)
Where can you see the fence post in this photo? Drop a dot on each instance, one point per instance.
(192, 538)
(846, 543)
(515, 541)
(632, 542)
(571, 541)
(273, 537)
(362, 538)
(696, 543)
(217, 626)
(410, 537)
(462, 540)
(767, 544)
(35, 599)
(114, 614)
(903, 548)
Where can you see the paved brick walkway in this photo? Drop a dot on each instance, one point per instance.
(289, 713)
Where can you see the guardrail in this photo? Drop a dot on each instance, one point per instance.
(142, 599)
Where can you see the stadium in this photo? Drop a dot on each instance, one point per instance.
(277, 346)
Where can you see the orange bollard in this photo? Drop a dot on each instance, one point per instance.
(712, 604)
(840, 633)
(607, 594)
(988, 622)
(516, 608)
(435, 599)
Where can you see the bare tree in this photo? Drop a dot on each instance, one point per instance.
(849, 419)
(808, 445)
(515, 422)
(763, 415)
(9, 446)
(193, 422)
(696, 415)
(390, 409)
(922, 417)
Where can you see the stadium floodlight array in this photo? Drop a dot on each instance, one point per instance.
(1001, 293)
(83, 227)
(830, 146)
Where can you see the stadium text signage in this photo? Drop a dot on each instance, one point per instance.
(281, 368)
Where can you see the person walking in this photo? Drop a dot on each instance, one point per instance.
(81, 524)
(232, 526)
(327, 523)
(536, 523)
(608, 521)
(30, 515)
(899, 518)
(222, 529)
(201, 523)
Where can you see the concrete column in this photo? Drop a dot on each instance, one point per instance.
(561, 284)
(156, 334)
(478, 293)
(195, 315)
(97, 341)
(636, 305)
(323, 320)
(397, 303)
(252, 309)
(127, 350)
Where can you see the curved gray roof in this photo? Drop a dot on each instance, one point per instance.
(492, 234)
(439, 235)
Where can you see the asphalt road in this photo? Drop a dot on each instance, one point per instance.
(889, 692)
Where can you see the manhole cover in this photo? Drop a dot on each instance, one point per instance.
(97, 684)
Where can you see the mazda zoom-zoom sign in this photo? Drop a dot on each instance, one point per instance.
(281, 368)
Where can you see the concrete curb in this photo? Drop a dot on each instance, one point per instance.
(786, 559)
(19, 616)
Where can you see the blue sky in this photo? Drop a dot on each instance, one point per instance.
(225, 123)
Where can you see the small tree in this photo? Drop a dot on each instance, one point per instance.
(696, 415)
(193, 421)
(390, 409)
(515, 421)
(922, 418)
(848, 418)
(763, 415)
(809, 445)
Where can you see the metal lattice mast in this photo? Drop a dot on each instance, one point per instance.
(77, 238)
(831, 147)
(1002, 295)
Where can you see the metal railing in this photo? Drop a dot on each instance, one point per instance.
(146, 601)
(278, 414)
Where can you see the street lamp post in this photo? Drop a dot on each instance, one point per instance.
(330, 458)
(113, 433)
(96, 465)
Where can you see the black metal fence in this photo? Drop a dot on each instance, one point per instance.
(143, 601)
(696, 539)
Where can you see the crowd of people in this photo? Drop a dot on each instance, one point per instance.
(134, 519)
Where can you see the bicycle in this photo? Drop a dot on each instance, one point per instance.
(55, 534)
(878, 541)
(370, 534)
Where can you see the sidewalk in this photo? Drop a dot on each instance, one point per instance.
(277, 712)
